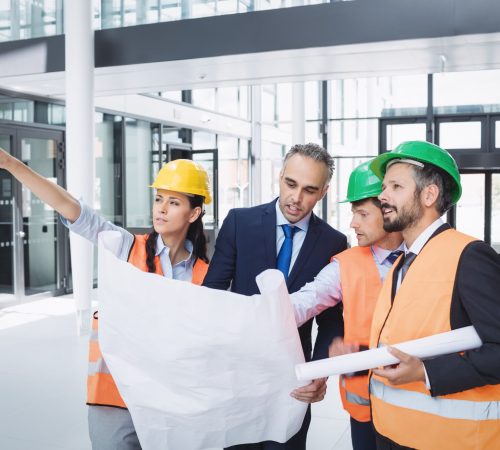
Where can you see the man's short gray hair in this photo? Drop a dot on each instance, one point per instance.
(315, 152)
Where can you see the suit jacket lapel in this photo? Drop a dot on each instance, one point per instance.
(306, 250)
(269, 233)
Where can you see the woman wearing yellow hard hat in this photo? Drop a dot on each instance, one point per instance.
(174, 248)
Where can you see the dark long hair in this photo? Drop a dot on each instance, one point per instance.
(195, 234)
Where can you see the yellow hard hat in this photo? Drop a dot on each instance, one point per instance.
(186, 176)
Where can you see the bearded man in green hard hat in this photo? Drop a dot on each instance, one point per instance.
(355, 277)
(446, 280)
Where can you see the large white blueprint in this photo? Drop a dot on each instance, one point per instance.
(199, 368)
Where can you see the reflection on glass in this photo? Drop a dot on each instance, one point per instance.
(470, 208)
(404, 132)
(474, 89)
(234, 167)
(460, 135)
(312, 94)
(108, 192)
(271, 163)
(139, 172)
(377, 96)
(313, 133)
(495, 211)
(353, 137)
(21, 19)
(207, 161)
(6, 229)
(339, 214)
(39, 220)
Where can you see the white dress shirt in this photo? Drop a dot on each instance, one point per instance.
(89, 224)
(326, 288)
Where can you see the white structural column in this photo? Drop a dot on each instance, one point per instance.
(79, 41)
(298, 114)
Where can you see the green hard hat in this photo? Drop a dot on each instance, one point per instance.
(363, 183)
(424, 152)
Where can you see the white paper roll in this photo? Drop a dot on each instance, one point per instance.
(458, 340)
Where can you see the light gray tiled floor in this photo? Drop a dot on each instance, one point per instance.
(42, 384)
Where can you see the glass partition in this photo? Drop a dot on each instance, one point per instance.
(139, 172)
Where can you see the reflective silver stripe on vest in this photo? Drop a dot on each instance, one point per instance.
(99, 366)
(351, 397)
(443, 407)
(94, 335)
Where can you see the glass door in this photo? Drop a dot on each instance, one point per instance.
(34, 241)
(7, 260)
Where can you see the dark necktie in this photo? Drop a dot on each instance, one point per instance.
(408, 259)
(393, 256)
(285, 254)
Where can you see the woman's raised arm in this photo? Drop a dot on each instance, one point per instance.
(52, 194)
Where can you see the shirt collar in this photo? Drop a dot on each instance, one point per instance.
(381, 254)
(188, 245)
(423, 237)
(302, 224)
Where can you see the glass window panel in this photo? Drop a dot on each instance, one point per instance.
(268, 101)
(234, 185)
(271, 163)
(6, 228)
(108, 192)
(398, 133)
(284, 101)
(470, 208)
(139, 172)
(39, 220)
(228, 147)
(203, 140)
(377, 96)
(172, 95)
(495, 211)
(353, 137)
(312, 92)
(243, 95)
(204, 98)
(467, 88)
(497, 134)
(313, 133)
(227, 101)
(460, 135)
(339, 214)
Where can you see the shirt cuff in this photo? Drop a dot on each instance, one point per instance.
(427, 382)
(69, 224)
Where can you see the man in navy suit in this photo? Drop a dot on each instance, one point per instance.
(250, 241)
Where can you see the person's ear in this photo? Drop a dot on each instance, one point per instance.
(324, 191)
(195, 213)
(430, 195)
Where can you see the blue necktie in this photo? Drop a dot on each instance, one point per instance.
(393, 256)
(285, 254)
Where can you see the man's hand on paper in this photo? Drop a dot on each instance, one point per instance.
(313, 392)
(338, 347)
(408, 370)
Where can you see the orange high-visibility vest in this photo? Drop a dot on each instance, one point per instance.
(407, 414)
(361, 285)
(101, 388)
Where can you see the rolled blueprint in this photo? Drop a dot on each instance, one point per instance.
(458, 340)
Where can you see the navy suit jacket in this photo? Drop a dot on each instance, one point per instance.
(246, 246)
